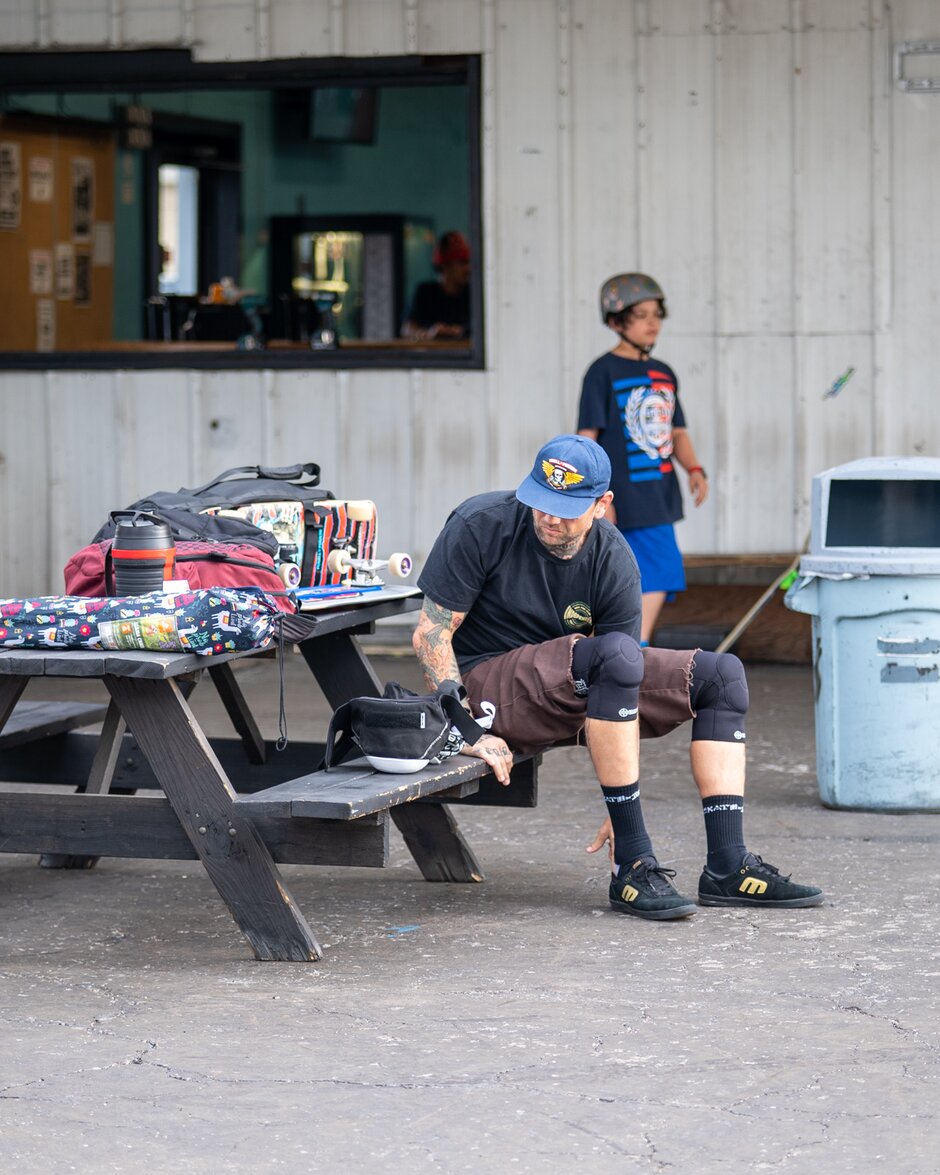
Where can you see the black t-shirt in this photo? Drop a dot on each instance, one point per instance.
(634, 405)
(489, 563)
(432, 304)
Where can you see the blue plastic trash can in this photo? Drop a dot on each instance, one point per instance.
(871, 582)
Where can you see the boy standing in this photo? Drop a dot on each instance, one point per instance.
(630, 406)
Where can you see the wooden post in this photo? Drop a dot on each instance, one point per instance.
(436, 843)
(10, 690)
(237, 708)
(98, 783)
(230, 848)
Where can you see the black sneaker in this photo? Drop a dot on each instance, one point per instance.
(645, 890)
(755, 883)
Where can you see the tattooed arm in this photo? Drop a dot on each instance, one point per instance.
(433, 645)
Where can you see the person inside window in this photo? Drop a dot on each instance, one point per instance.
(441, 309)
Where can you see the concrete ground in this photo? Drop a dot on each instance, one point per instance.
(519, 1025)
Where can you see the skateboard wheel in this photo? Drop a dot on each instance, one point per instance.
(290, 574)
(339, 562)
(361, 510)
(400, 564)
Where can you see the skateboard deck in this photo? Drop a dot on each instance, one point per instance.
(348, 595)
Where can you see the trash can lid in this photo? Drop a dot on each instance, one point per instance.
(876, 516)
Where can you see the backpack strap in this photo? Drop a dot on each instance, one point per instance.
(337, 748)
(470, 730)
(307, 474)
(108, 572)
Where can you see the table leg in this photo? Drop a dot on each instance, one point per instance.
(430, 831)
(341, 668)
(435, 842)
(10, 690)
(234, 856)
(98, 783)
(236, 706)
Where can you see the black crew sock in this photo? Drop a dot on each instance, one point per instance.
(631, 840)
(724, 833)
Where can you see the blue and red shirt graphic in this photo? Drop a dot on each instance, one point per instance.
(634, 405)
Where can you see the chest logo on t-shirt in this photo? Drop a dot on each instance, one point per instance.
(647, 406)
(578, 615)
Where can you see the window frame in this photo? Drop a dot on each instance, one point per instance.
(133, 71)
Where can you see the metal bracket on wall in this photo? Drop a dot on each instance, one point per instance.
(913, 76)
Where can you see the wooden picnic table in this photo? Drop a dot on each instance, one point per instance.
(233, 803)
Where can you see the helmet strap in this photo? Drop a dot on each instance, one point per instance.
(644, 351)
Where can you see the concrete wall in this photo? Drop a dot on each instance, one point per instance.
(754, 155)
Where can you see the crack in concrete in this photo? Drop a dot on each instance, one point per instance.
(895, 1024)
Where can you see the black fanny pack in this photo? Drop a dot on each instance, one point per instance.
(402, 731)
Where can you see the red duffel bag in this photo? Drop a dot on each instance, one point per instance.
(201, 564)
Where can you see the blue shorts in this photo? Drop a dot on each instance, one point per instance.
(658, 557)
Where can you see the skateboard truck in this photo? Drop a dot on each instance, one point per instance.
(362, 572)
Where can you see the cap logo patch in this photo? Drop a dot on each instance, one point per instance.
(560, 475)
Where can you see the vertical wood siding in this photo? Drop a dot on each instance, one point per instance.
(752, 154)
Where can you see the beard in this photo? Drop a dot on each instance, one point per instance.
(561, 544)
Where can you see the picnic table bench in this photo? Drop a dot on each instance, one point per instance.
(354, 791)
(235, 804)
(34, 720)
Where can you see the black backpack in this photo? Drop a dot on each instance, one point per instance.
(235, 487)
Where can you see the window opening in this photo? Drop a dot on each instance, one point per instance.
(135, 183)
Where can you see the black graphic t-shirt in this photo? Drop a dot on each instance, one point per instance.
(634, 405)
(488, 562)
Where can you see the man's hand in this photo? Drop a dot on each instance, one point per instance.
(494, 752)
(605, 836)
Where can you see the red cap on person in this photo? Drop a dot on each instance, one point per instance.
(452, 246)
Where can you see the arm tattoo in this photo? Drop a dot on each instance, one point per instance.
(433, 643)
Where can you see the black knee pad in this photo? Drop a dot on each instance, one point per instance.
(608, 670)
(718, 695)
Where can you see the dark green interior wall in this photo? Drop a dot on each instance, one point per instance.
(418, 166)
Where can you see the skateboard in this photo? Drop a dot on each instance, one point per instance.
(308, 535)
(338, 525)
(285, 520)
(351, 570)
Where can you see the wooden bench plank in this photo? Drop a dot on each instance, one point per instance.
(354, 790)
(67, 759)
(522, 792)
(36, 720)
(146, 827)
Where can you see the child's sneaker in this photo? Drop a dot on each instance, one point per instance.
(755, 883)
(645, 889)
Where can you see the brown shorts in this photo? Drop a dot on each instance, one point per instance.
(533, 691)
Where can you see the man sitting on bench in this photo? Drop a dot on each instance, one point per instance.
(532, 599)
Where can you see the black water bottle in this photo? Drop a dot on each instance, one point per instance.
(142, 552)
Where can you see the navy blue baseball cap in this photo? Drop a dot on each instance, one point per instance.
(570, 472)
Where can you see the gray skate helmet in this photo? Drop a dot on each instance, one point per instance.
(624, 290)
